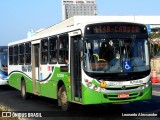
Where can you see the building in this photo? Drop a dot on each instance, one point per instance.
(71, 8)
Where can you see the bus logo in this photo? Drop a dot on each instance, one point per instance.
(103, 84)
(123, 87)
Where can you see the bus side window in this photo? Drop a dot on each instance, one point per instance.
(11, 55)
(15, 55)
(44, 51)
(21, 54)
(63, 49)
(27, 53)
(53, 50)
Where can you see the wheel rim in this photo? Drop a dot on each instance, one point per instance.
(64, 98)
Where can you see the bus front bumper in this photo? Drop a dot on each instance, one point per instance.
(92, 97)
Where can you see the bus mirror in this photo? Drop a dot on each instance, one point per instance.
(80, 44)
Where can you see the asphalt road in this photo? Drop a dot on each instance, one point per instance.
(48, 109)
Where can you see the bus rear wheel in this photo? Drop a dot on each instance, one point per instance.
(65, 105)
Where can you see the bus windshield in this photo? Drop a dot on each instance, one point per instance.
(117, 55)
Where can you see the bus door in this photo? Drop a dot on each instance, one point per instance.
(75, 68)
(35, 66)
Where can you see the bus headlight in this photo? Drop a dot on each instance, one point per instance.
(95, 87)
(89, 84)
(102, 89)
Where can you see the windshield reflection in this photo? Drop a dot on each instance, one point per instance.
(116, 55)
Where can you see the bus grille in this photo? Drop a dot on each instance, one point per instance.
(127, 88)
(115, 96)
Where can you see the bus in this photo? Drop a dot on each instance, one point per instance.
(3, 65)
(86, 63)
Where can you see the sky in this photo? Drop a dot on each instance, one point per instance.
(17, 17)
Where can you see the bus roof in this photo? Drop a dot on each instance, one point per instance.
(72, 24)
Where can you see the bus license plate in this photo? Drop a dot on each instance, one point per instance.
(123, 95)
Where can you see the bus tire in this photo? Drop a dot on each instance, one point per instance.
(24, 95)
(58, 96)
(65, 105)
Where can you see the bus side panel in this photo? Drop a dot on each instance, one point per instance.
(29, 85)
(15, 81)
(49, 88)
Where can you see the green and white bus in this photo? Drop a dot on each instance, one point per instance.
(92, 63)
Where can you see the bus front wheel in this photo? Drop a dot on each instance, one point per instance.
(63, 99)
(24, 95)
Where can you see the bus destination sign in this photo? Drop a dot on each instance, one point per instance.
(113, 28)
(125, 29)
